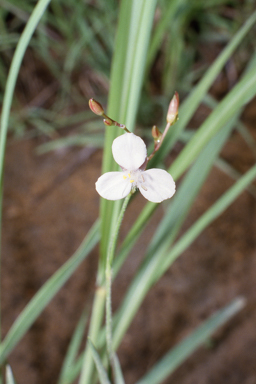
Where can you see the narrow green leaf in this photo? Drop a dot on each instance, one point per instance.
(103, 377)
(247, 136)
(76, 140)
(163, 24)
(14, 70)
(118, 375)
(230, 171)
(236, 99)
(154, 268)
(134, 28)
(47, 292)
(180, 204)
(240, 95)
(74, 370)
(9, 375)
(211, 214)
(73, 348)
(10, 85)
(94, 329)
(177, 355)
(182, 201)
(191, 103)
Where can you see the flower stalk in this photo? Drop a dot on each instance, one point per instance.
(97, 108)
(108, 276)
(171, 118)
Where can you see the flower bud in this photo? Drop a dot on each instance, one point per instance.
(108, 122)
(172, 114)
(157, 135)
(96, 107)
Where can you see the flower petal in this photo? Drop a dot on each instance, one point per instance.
(113, 186)
(158, 185)
(129, 151)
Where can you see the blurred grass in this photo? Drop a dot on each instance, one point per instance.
(68, 62)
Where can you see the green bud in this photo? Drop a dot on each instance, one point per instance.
(108, 122)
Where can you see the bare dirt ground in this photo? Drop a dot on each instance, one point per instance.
(49, 205)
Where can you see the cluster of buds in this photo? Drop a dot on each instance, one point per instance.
(97, 108)
(130, 153)
(171, 118)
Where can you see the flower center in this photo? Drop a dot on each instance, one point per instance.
(132, 176)
(135, 177)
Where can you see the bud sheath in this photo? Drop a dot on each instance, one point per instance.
(108, 122)
(157, 135)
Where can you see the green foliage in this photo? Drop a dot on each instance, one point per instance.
(178, 354)
(148, 33)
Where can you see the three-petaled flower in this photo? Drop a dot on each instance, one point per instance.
(130, 152)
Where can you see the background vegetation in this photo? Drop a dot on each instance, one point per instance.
(131, 56)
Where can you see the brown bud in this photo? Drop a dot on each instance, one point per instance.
(157, 135)
(172, 114)
(96, 107)
(108, 122)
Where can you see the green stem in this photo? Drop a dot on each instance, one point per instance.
(102, 296)
(95, 325)
(108, 276)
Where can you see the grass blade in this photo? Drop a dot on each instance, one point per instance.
(103, 377)
(46, 293)
(181, 202)
(192, 102)
(135, 23)
(240, 95)
(73, 348)
(211, 214)
(173, 359)
(9, 375)
(154, 269)
(13, 74)
(118, 375)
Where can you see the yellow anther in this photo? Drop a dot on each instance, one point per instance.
(124, 177)
(131, 181)
(129, 175)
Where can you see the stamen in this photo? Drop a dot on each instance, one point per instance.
(131, 181)
(142, 178)
(124, 177)
(143, 186)
(129, 175)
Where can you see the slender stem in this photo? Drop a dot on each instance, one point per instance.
(113, 122)
(95, 325)
(102, 296)
(108, 275)
(121, 126)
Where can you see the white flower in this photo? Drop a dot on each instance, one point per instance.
(129, 151)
